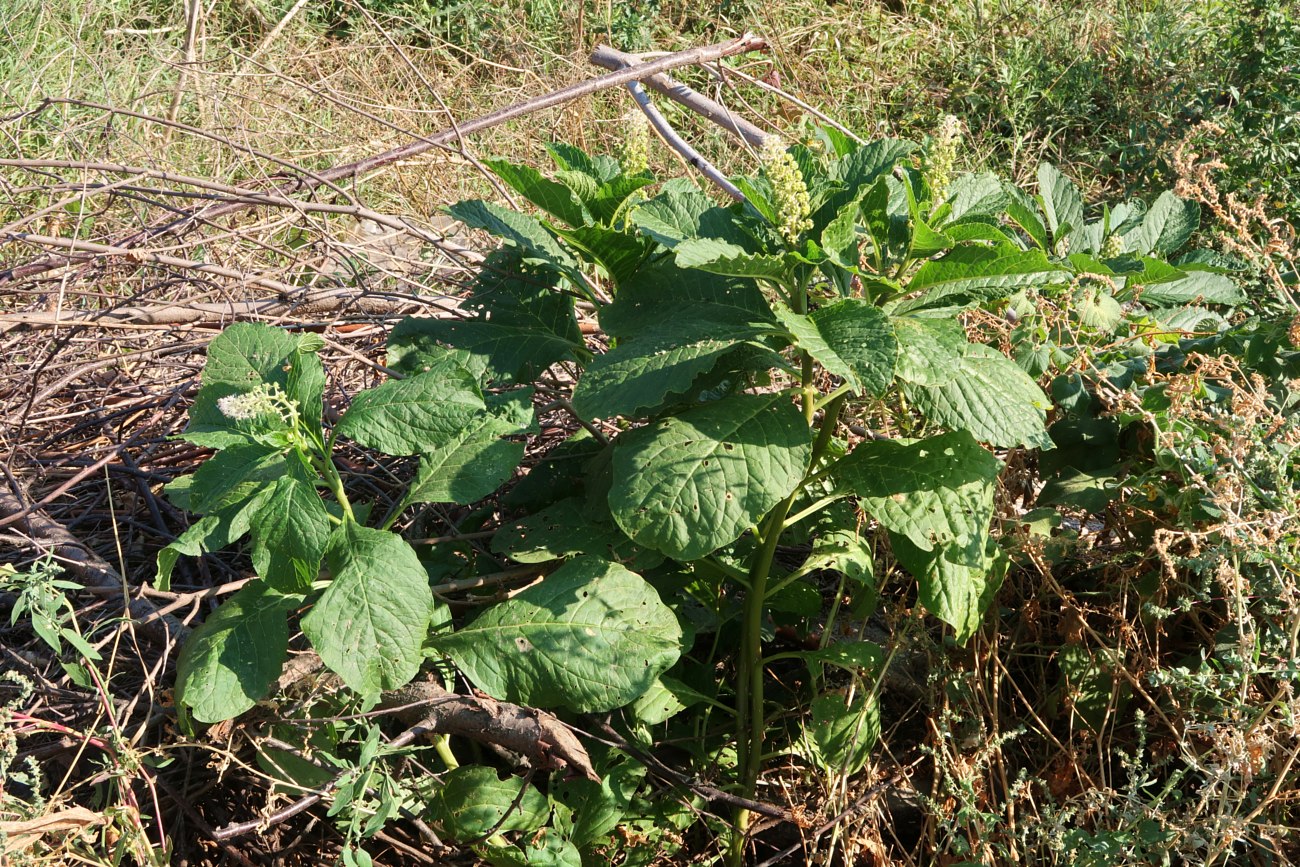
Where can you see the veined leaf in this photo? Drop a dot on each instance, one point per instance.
(1203, 286)
(936, 491)
(720, 257)
(975, 195)
(1166, 227)
(590, 637)
(1061, 201)
(247, 353)
(671, 218)
(525, 232)
(658, 295)
(1023, 211)
(565, 529)
(690, 484)
(617, 252)
(473, 463)
(638, 374)
(292, 525)
(841, 732)
(409, 416)
(614, 193)
(508, 353)
(551, 196)
(230, 662)
(979, 273)
(473, 801)
(598, 807)
(851, 339)
(600, 167)
(957, 583)
(232, 475)
(930, 351)
(1095, 307)
(839, 240)
(370, 624)
(869, 162)
(991, 397)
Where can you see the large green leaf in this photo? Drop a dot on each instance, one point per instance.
(613, 195)
(638, 374)
(1203, 286)
(659, 294)
(509, 353)
(291, 525)
(930, 351)
(957, 583)
(979, 273)
(523, 325)
(690, 484)
(371, 622)
(409, 416)
(507, 291)
(229, 662)
(672, 217)
(1061, 200)
(978, 195)
(551, 196)
(839, 240)
(841, 733)
(521, 230)
(565, 529)
(851, 339)
(871, 161)
(1166, 227)
(473, 802)
(247, 353)
(473, 463)
(590, 637)
(730, 260)
(600, 167)
(619, 253)
(231, 475)
(936, 491)
(1023, 211)
(991, 397)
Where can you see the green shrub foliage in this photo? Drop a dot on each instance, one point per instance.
(771, 379)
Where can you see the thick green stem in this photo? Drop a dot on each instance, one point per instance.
(750, 715)
(442, 746)
(749, 688)
(334, 480)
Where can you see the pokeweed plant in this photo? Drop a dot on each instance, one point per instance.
(747, 346)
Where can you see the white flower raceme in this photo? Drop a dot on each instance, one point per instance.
(266, 399)
(635, 146)
(942, 157)
(793, 205)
